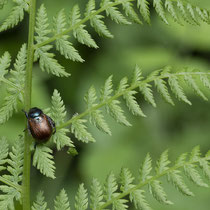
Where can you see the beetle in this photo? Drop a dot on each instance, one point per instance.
(40, 125)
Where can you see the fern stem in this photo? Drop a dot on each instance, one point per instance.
(142, 184)
(87, 18)
(9, 183)
(27, 106)
(98, 106)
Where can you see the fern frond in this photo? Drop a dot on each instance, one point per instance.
(62, 44)
(96, 117)
(130, 12)
(61, 201)
(43, 161)
(163, 162)
(15, 167)
(11, 192)
(194, 176)
(158, 192)
(177, 89)
(46, 60)
(147, 93)
(96, 21)
(194, 86)
(4, 147)
(15, 16)
(79, 32)
(81, 200)
(163, 90)
(170, 7)
(143, 5)
(5, 61)
(58, 113)
(79, 129)
(8, 196)
(116, 193)
(110, 98)
(96, 195)
(114, 13)
(15, 90)
(158, 4)
(146, 168)
(176, 179)
(39, 204)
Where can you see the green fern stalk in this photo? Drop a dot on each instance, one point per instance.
(27, 106)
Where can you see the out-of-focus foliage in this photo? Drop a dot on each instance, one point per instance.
(178, 128)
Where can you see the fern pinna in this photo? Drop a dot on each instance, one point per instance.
(16, 163)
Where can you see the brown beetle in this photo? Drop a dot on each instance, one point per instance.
(40, 125)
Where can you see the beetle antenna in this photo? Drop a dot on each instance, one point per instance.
(26, 114)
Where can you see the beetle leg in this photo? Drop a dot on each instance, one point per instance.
(52, 123)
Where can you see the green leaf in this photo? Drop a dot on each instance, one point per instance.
(48, 63)
(15, 163)
(192, 13)
(15, 16)
(79, 32)
(107, 89)
(116, 112)
(138, 198)
(170, 7)
(145, 169)
(183, 11)
(137, 76)
(61, 201)
(43, 161)
(39, 204)
(162, 163)
(46, 59)
(132, 104)
(15, 89)
(158, 4)
(42, 25)
(79, 129)
(96, 117)
(126, 179)
(193, 175)
(147, 93)
(110, 187)
(61, 139)
(158, 192)
(62, 44)
(130, 12)
(5, 61)
(8, 196)
(114, 13)
(143, 5)
(205, 80)
(206, 167)
(96, 196)
(96, 20)
(176, 179)
(177, 89)
(81, 200)
(58, 108)
(4, 147)
(203, 14)
(195, 154)
(191, 82)
(163, 90)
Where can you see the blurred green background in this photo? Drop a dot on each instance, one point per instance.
(178, 128)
